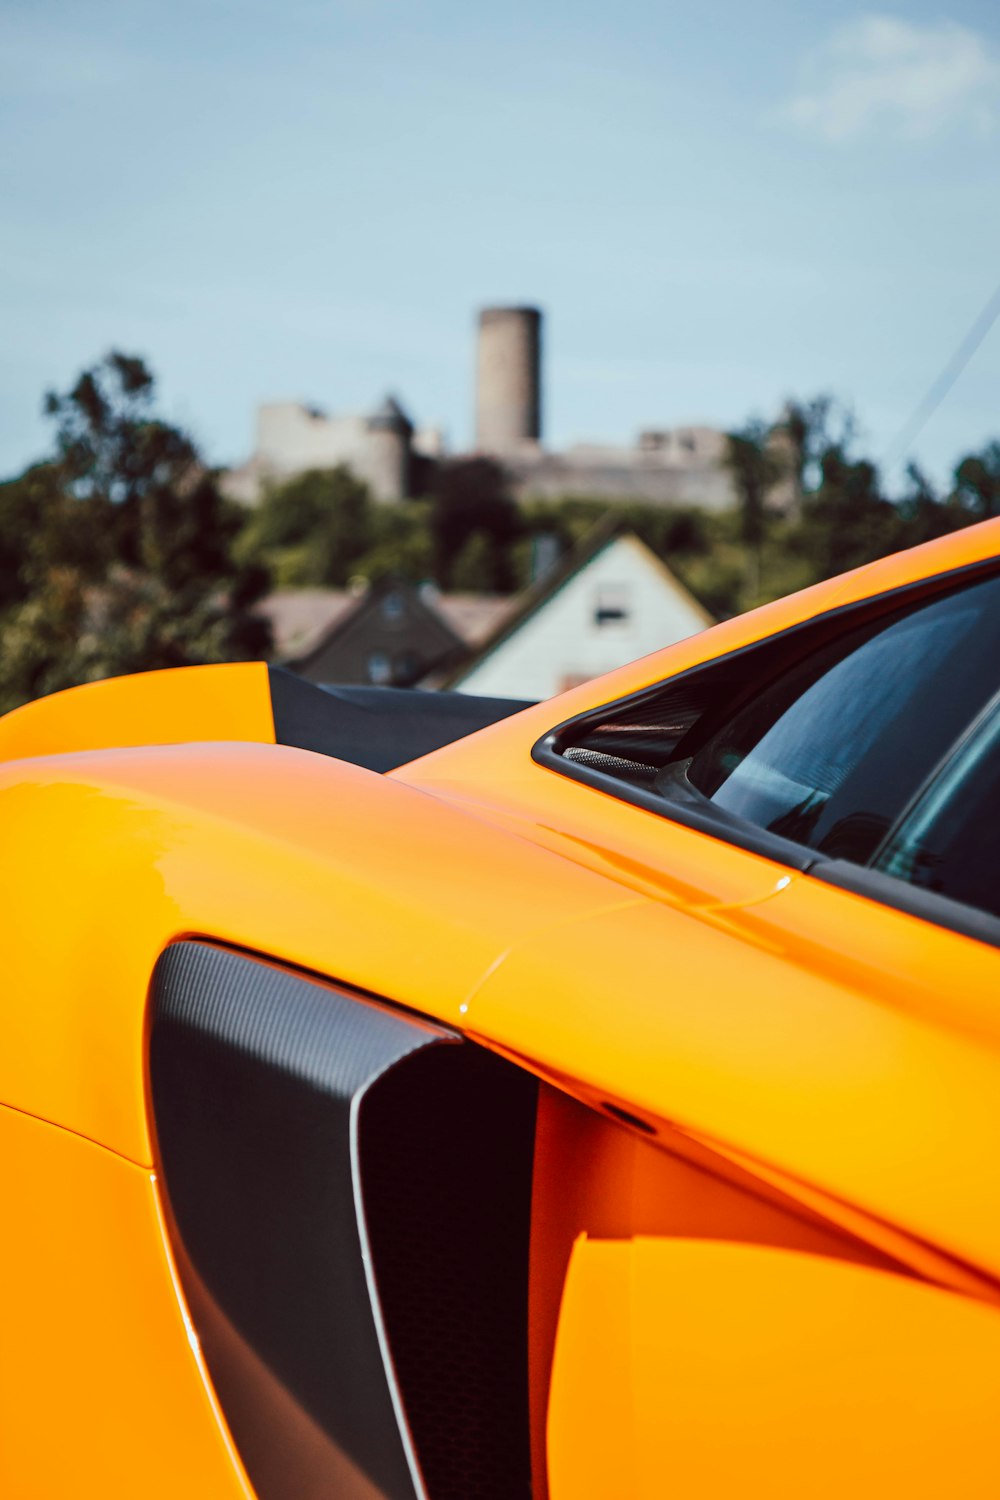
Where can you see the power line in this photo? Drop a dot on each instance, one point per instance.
(903, 441)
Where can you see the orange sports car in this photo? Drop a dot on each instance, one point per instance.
(411, 1097)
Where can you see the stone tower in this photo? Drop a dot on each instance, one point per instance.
(386, 460)
(508, 379)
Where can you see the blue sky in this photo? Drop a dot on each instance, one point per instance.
(716, 205)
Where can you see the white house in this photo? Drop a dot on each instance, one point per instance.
(610, 601)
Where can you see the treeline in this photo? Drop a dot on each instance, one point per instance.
(119, 552)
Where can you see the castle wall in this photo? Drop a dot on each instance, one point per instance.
(291, 439)
(619, 477)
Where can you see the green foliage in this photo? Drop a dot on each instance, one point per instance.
(977, 483)
(322, 529)
(756, 467)
(847, 522)
(755, 472)
(116, 556)
(312, 530)
(401, 543)
(923, 515)
(471, 500)
(474, 569)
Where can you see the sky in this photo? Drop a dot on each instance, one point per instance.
(717, 206)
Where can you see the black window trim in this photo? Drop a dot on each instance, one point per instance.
(699, 814)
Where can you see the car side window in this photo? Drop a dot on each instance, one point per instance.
(862, 746)
(948, 842)
(829, 754)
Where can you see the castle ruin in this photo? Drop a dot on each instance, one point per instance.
(665, 466)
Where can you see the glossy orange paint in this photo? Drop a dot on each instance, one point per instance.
(694, 1367)
(101, 1386)
(110, 856)
(818, 1091)
(597, 1181)
(227, 702)
(696, 1025)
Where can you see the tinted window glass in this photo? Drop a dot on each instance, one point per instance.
(950, 842)
(831, 752)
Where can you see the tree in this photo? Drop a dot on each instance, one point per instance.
(312, 530)
(848, 521)
(127, 562)
(809, 430)
(401, 543)
(473, 571)
(755, 469)
(977, 483)
(39, 529)
(470, 499)
(922, 512)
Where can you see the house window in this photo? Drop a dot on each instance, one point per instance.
(611, 605)
(407, 667)
(392, 608)
(379, 669)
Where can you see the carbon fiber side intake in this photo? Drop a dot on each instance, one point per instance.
(348, 1189)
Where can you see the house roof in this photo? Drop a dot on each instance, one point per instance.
(607, 530)
(302, 618)
(474, 617)
(364, 605)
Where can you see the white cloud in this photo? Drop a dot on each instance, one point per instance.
(882, 75)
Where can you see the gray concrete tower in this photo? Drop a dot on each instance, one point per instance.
(508, 379)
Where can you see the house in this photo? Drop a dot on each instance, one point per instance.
(609, 601)
(392, 632)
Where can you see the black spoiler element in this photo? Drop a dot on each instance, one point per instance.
(379, 728)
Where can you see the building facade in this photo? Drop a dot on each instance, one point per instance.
(291, 438)
(610, 601)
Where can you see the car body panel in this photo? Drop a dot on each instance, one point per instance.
(225, 702)
(679, 1362)
(109, 856)
(796, 1070)
(101, 1385)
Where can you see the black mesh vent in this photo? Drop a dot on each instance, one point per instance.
(613, 765)
(446, 1154)
(646, 731)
